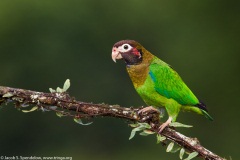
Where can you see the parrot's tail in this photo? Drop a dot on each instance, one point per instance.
(204, 111)
(199, 109)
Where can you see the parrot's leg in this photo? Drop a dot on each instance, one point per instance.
(164, 125)
(147, 109)
(172, 108)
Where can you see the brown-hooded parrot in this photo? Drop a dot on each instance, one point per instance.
(157, 83)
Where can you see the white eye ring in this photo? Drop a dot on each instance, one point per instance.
(125, 47)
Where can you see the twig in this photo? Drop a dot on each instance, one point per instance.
(68, 106)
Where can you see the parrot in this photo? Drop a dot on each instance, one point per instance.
(157, 83)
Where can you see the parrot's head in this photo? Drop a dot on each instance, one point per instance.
(128, 50)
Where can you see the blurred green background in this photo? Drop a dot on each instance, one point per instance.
(42, 43)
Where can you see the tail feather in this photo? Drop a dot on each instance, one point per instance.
(205, 113)
(204, 110)
(202, 106)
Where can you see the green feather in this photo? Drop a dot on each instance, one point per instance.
(169, 84)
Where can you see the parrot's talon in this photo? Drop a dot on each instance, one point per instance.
(147, 109)
(164, 125)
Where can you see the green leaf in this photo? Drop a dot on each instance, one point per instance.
(59, 114)
(142, 126)
(191, 156)
(143, 134)
(79, 121)
(182, 151)
(52, 90)
(8, 95)
(177, 124)
(66, 85)
(145, 125)
(170, 147)
(59, 90)
(132, 134)
(175, 149)
(160, 138)
(31, 110)
(146, 132)
(134, 125)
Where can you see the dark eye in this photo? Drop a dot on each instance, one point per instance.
(125, 46)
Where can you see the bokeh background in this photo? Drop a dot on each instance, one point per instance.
(42, 43)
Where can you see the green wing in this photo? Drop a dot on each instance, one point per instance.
(168, 83)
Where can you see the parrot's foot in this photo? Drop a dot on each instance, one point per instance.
(164, 125)
(148, 109)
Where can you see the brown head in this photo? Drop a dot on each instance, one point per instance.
(128, 50)
(136, 57)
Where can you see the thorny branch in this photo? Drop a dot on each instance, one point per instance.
(68, 106)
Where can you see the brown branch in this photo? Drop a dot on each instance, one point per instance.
(68, 106)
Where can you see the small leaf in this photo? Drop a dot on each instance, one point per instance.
(191, 156)
(66, 85)
(146, 132)
(143, 134)
(140, 128)
(52, 90)
(182, 151)
(59, 90)
(134, 125)
(31, 110)
(59, 114)
(175, 149)
(132, 134)
(79, 121)
(170, 147)
(144, 125)
(177, 124)
(160, 138)
(8, 95)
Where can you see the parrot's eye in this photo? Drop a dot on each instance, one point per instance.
(126, 47)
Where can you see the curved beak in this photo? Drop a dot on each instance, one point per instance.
(116, 54)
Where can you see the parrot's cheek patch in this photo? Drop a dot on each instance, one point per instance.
(131, 59)
(136, 52)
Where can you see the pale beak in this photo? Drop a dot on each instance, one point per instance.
(116, 54)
